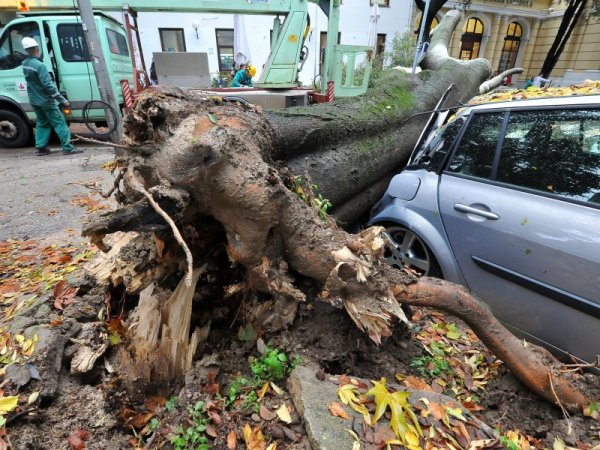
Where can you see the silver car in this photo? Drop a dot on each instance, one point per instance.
(505, 200)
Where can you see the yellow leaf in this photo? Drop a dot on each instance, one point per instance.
(20, 338)
(348, 393)
(272, 446)
(277, 389)
(284, 414)
(7, 404)
(263, 390)
(253, 438)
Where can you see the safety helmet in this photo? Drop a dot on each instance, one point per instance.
(28, 42)
(251, 71)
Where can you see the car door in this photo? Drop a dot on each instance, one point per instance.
(521, 209)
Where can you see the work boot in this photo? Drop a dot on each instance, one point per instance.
(42, 151)
(72, 151)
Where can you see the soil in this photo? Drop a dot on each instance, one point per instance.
(99, 403)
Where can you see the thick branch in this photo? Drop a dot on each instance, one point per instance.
(493, 83)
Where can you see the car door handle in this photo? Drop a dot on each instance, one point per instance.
(479, 212)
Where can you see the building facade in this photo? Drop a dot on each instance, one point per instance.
(519, 33)
(213, 33)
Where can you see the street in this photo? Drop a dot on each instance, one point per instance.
(48, 196)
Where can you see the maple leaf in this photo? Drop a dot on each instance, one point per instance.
(63, 295)
(254, 438)
(400, 409)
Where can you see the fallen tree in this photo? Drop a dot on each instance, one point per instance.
(211, 172)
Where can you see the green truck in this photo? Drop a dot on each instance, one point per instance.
(65, 53)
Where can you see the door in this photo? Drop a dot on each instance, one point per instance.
(523, 222)
(75, 71)
(12, 54)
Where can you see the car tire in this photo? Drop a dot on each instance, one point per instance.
(405, 248)
(15, 131)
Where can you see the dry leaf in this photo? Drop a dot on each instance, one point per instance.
(284, 414)
(33, 397)
(254, 438)
(416, 383)
(8, 404)
(276, 388)
(266, 414)
(210, 430)
(231, 440)
(77, 439)
(337, 410)
(64, 295)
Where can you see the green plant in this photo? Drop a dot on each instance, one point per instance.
(171, 404)
(305, 192)
(251, 402)
(273, 365)
(192, 437)
(431, 366)
(238, 388)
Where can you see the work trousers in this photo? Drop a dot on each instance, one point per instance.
(49, 117)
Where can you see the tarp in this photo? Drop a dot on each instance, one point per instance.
(241, 50)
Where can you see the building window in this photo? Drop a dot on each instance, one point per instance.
(385, 3)
(172, 39)
(380, 44)
(471, 39)
(434, 23)
(510, 50)
(225, 49)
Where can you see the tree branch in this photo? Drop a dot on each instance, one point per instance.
(493, 83)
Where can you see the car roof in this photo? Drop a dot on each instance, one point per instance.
(583, 100)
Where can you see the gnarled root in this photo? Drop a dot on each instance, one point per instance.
(524, 362)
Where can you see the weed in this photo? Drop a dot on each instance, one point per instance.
(431, 366)
(273, 365)
(250, 402)
(304, 191)
(192, 437)
(171, 404)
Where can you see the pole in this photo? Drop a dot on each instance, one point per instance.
(105, 88)
(421, 32)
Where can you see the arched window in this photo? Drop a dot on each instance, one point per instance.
(510, 50)
(471, 39)
(434, 23)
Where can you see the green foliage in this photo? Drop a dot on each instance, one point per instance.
(319, 204)
(238, 388)
(273, 365)
(192, 437)
(431, 366)
(510, 445)
(250, 402)
(171, 404)
(154, 423)
(401, 53)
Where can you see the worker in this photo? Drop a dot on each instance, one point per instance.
(528, 82)
(243, 77)
(44, 99)
(538, 80)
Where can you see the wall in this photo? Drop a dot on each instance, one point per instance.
(354, 28)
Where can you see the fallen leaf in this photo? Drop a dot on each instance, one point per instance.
(272, 446)
(266, 414)
(139, 421)
(33, 397)
(416, 383)
(284, 414)
(337, 410)
(64, 295)
(77, 439)
(8, 404)
(231, 440)
(210, 430)
(276, 388)
(254, 438)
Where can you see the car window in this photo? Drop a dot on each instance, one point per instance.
(433, 157)
(12, 53)
(556, 152)
(475, 152)
(73, 46)
(117, 43)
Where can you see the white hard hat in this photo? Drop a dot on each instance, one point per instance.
(29, 43)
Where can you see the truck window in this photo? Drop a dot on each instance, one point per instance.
(12, 53)
(73, 46)
(117, 43)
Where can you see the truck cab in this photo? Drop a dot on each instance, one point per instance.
(64, 51)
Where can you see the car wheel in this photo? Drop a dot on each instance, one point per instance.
(404, 248)
(15, 132)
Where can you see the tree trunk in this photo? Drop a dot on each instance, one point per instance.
(211, 165)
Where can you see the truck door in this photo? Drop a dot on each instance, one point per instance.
(12, 54)
(75, 69)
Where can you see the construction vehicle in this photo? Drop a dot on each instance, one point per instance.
(47, 17)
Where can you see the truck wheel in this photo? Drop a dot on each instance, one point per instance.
(15, 131)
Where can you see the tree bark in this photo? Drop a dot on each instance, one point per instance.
(211, 163)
